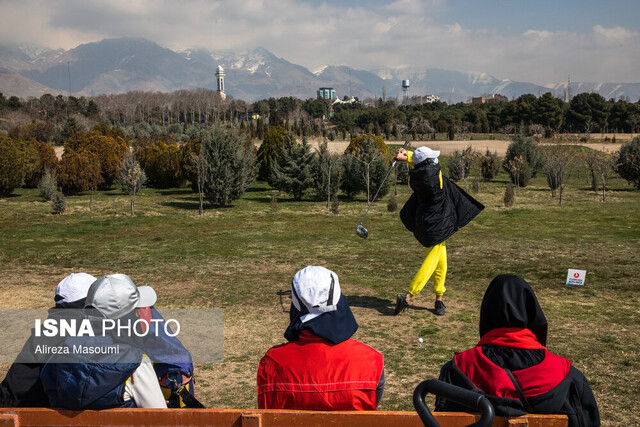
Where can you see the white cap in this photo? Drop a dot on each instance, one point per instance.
(115, 295)
(74, 287)
(318, 289)
(423, 153)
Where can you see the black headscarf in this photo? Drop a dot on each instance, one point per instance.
(336, 326)
(509, 302)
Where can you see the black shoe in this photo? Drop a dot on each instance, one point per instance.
(401, 304)
(439, 309)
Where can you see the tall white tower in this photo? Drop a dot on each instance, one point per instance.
(220, 77)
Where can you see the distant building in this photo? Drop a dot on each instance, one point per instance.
(326, 93)
(428, 99)
(494, 99)
(346, 101)
(220, 78)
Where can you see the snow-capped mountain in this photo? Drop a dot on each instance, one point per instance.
(128, 64)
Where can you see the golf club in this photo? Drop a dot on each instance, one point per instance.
(360, 229)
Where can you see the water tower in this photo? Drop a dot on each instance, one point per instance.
(405, 90)
(220, 77)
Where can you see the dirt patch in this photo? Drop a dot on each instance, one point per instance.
(446, 148)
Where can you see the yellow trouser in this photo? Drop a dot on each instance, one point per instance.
(435, 263)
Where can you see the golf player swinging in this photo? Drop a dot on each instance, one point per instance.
(436, 209)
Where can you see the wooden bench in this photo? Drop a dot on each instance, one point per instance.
(19, 417)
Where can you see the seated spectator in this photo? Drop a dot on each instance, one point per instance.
(511, 364)
(22, 386)
(98, 381)
(171, 362)
(322, 367)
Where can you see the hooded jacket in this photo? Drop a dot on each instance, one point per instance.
(322, 367)
(21, 386)
(512, 367)
(432, 213)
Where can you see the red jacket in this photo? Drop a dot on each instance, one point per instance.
(493, 380)
(312, 373)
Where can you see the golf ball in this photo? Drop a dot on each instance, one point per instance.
(420, 340)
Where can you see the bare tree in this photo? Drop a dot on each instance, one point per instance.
(556, 162)
(634, 122)
(200, 165)
(131, 178)
(515, 166)
(605, 165)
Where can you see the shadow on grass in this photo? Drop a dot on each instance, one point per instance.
(281, 294)
(193, 206)
(385, 307)
(176, 192)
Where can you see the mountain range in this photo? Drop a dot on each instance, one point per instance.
(120, 65)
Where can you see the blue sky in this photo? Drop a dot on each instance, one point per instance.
(539, 41)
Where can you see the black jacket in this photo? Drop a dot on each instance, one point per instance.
(432, 213)
(22, 386)
(510, 303)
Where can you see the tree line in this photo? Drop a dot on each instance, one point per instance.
(153, 112)
(220, 162)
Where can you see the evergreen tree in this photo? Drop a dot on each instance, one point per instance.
(628, 165)
(364, 170)
(327, 171)
(274, 140)
(229, 166)
(293, 170)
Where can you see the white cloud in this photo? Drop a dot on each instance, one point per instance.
(615, 34)
(398, 33)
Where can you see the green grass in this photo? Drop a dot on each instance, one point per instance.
(242, 259)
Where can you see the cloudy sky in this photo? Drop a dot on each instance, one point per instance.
(540, 41)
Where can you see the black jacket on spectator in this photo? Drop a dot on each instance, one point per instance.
(513, 332)
(432, 213)
(22, 386)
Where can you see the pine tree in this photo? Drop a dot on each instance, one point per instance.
(293, 170)
(229, 166)
(327, 171)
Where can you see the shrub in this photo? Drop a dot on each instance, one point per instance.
(335, 205)
(110, 152)
(519, 171)
(509, 196)
(38, 130)
(628, 164)
(48, 185)
(43, 158)
(456, 166)
(13, 166)
(188, 151)
(58, 203)
(79, 171)
(357, 142)
(162, 163)
(489, 165)
(392, 204)
(525, 147)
